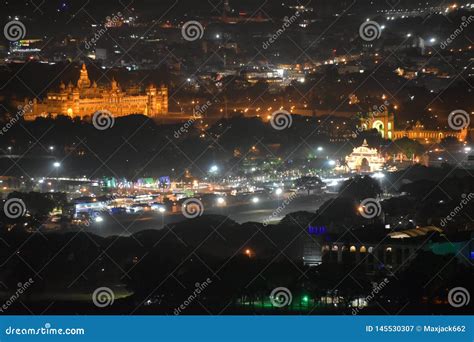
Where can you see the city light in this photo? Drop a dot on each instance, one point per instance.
(214, 169)
(255, 200)
(98, 219)
(57, 164)
(278, 191)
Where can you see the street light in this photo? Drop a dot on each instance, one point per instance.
(57, 164)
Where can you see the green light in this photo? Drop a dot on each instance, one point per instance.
(305, 299)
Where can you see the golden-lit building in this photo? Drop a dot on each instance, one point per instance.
(384, 122)
(86, 97)
(424, 136)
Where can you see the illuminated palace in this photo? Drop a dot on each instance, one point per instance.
(383, 122)
(85, 98)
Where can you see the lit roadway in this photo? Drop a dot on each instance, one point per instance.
(126, 224)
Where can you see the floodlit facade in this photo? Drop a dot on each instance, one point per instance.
(86, 97)
(364, 158)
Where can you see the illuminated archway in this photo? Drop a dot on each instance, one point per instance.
(379, 126)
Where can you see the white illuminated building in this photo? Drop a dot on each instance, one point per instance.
(364, 158)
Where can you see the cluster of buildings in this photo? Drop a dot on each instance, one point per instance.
(85, 98)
